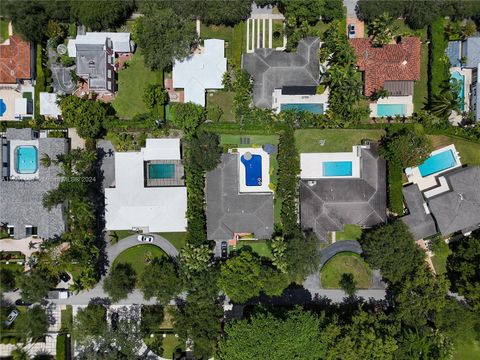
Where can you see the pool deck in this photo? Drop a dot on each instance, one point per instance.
(242, 185)
(432, 182)
(279, 99)
(403, 100)
(455, 118)
(312, 168)
(13, 173)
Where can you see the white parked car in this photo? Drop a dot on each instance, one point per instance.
(351, 31)
(145, 238)
(11, 317)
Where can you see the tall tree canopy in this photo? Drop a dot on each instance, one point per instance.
(164, 36)
(392, 249)
(120, 282)
(187, 116)
(205, 151)
(90, 321)
(33, 324)
(160, 280)
(103, 15)
(86, 115)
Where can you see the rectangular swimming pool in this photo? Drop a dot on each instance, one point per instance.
(26, 159)
(253, 169)
(312, 108)
(337, 168)
(438, 162)
(391, 110)
(161, 171)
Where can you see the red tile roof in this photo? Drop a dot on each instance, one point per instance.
(14, 60)
(391, 62)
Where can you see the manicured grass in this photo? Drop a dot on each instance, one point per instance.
(170, 344)
(138, 256)
(3, 29)
(440, 263)
(336, 140)
(420, 90)
(11, 331)
(131, 85)
(120, 234)
(233, 36)
(469, 150)
(62, 347)
(319, 28)
(467, 350)
(224, 100)
(277, 26)
(395, 183)
(350, 232)
(405, 30)
(438, 64)
(260, 247)
(40, 84)
(67, 318)
(342, 263)
(178, 239)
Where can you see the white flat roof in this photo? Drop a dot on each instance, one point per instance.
(20, 106)
(120, 40)
(202, 71)
(265, 181)
(311, 164)
(162, 149)
(130, 204)
(48, 104)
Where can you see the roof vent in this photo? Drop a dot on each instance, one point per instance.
(312, 183)
(91, 64)
(365, 55)
(404, 62)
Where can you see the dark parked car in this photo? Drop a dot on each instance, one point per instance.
(20, 302)
(65, 277)
(114, 319)
(224, 247)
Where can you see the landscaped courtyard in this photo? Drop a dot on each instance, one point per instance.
(336, 140)
(139, 256)
(344, 263)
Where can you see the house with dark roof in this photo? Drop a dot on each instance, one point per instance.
(455, 210)
(25, 181)
(276, 70)
(230, 211)
(330, 201)
(394, 67)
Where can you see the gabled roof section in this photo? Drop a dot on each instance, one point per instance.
(229, 212)
(420, 223)
(271, 69)
(329, 204)
(471, 50)
(392, 62)
(15, 60)
(458, 209)
(201, 71)
(121, 41)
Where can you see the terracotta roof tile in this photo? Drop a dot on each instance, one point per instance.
(391, 62)
(14, 60)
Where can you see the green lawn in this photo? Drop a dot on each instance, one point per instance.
(440, 263)
(170, 344)
(420, 90)
(469, 150)
(3, 29)
(178, 239)
(233, 36)
(67, 318)
(404, 29)
(467, 350)
(336, 140)
(277, 26)
(342, 263)
(258, 246)
(350, 232)
(120, 234)
(139, 256)
(10, 331)
(224, 100)
(131, 84)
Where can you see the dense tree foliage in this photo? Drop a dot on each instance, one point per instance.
(392, 249)
(406, 147)
(205, 151)
(120, 282)
(154, 95)
(381, 30)
(35, 285)
(464, 269)
(7, 280)
(195, 259)
(152, 316)
(86, 115)
(302, 256)
(297, 11)
(90, 321)
(160, 280)
(245, 276)
(187, 116)
(33, 324)
(163, 37)
(106, 14)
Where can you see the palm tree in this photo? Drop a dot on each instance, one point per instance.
(45, 160)
(382, 29)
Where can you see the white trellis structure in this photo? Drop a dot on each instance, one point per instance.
(260, 32)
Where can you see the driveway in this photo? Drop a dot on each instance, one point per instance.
(62, 80)
(106, 153)
(338, 247)
(353, 19)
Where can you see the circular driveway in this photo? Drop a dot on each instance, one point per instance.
(338, 247)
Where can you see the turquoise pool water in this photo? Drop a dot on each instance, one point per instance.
(161, 171)
(438, 162)
(461, 95)
(391, 110)
(26, 159)
(3, 107)
(337, 168)
(313, 108)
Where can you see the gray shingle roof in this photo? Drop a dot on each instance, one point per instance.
(471, 50)
(272, 69)
(329, 204)
(228, 211)
(420, 223)
(21, 201)
(458, 209)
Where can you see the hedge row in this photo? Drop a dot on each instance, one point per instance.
(437, 62)
(196, 218)
(395, 185)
